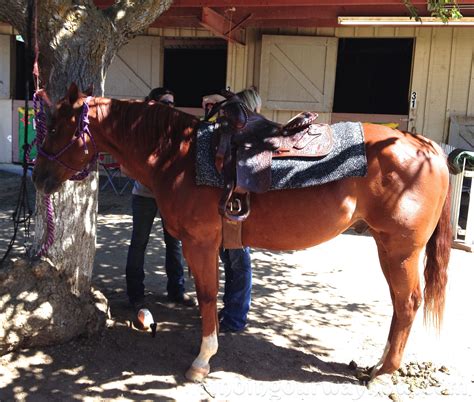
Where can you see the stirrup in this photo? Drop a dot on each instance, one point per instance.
(236, 209)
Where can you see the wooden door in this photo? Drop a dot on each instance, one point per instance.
(136, 69)
(298, 72)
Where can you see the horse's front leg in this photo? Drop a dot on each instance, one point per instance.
(203, 262)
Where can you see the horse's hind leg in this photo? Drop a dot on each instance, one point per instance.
(400, 261)
(203, 262)
(384, 263)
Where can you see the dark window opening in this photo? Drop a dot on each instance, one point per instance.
(373, 76)
(22, 70)
(193, 72)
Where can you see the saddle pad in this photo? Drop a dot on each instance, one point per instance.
(347, 159)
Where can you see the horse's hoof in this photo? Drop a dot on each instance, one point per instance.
(382, 384)
(197, 374)
(364, 374)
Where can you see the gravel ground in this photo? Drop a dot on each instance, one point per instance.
(313, 312)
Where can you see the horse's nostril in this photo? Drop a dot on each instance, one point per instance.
(44, 181)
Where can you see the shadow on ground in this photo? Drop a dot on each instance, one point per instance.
(281, 343)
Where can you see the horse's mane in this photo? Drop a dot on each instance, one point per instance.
(150, 126)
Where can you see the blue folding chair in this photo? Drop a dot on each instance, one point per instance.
(113, 173)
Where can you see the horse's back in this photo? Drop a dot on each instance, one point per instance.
(405, 187)
(409, 160)
(387, 141)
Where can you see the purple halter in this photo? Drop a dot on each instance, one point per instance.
(81, 131)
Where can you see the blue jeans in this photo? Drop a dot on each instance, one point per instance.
(237, 289)
(144, 210)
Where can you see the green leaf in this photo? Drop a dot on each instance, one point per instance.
(445, 10)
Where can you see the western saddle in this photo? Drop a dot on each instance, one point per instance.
(245, 143)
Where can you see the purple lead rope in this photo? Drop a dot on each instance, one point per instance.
(49, 226)
(82, 130)
(40, 124)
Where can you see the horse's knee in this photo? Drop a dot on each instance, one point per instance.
(207, 298)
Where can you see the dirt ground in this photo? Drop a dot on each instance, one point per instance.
(313, 311)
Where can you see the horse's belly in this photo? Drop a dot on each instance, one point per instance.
(297, 219)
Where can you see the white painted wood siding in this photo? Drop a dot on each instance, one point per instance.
(5, 66)
(442, 72)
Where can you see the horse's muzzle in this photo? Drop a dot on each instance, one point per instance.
(45, 181)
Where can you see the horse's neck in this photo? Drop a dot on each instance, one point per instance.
(104, 130)
(115, 138)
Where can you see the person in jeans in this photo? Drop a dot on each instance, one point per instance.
(237, 289)
(237, 262)
(144, 210)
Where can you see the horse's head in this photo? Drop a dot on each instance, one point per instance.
(67, 147)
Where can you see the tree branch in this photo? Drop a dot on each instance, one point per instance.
(14, 12)
(130, 17)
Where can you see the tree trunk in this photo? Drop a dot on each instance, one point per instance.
(77, 42)
(75, 221)
(78, 49)
(82, 61)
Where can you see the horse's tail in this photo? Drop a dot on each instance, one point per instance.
(438, 251)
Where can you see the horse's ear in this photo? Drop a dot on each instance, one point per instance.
(72, 93)
(90, 90)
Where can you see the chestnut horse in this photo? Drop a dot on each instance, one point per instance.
(403, 200)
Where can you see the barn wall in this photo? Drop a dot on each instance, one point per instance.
(138, 66)
(7, 29)
(135, 69)
(5, 101)
(442, 75)
(5, 131)
(5, 63)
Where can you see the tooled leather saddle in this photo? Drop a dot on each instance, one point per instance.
(245, 143)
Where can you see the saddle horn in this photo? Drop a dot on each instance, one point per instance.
(299, 122)
(227, 94)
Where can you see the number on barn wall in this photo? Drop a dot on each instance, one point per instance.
(413, 100)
